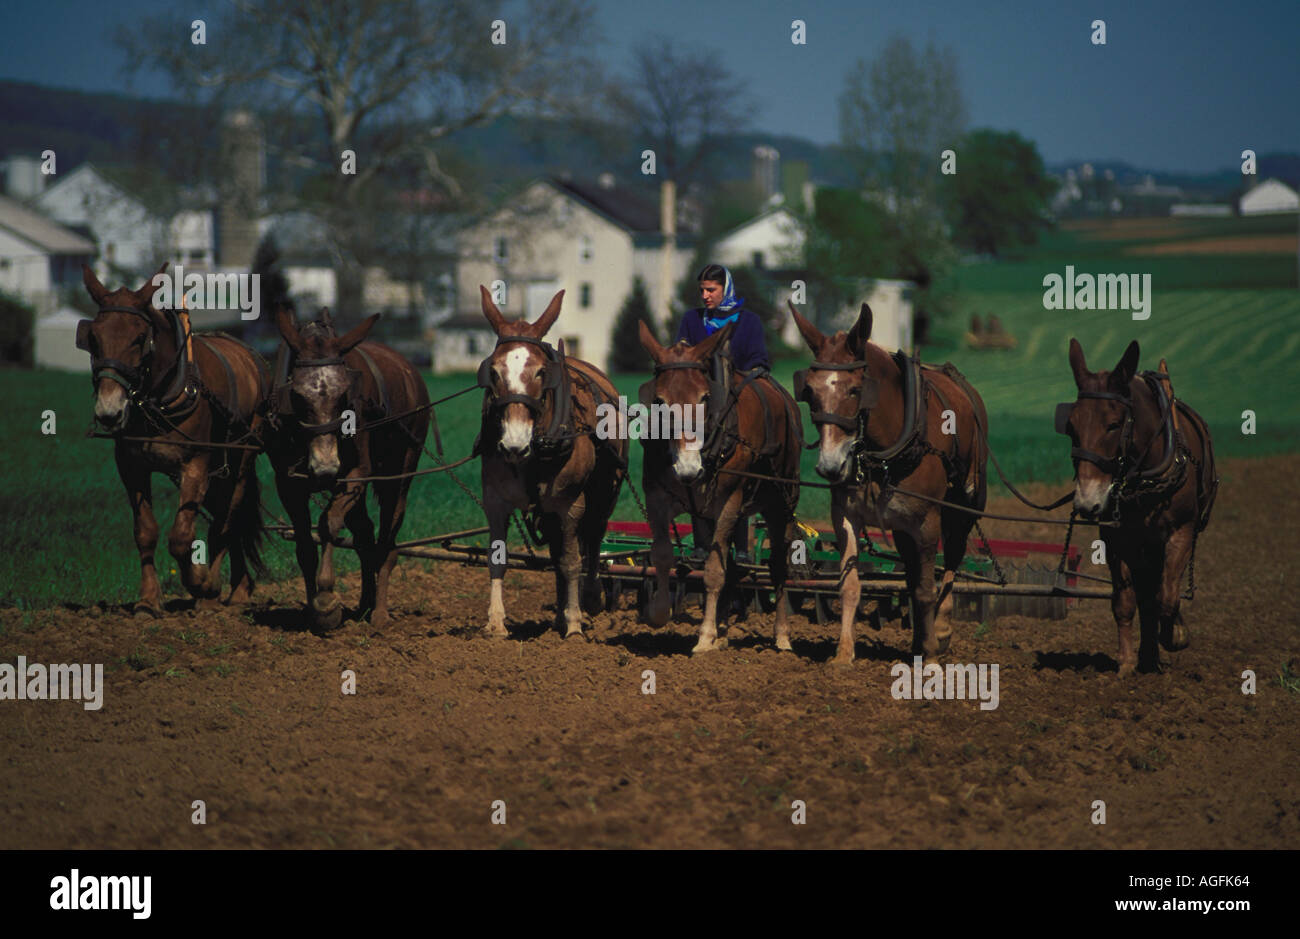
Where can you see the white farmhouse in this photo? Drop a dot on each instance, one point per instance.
(771, 239)
(591, 239)
(38, 257)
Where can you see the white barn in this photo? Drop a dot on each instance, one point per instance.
(56, 342)
(1270, 197)
(772, 239)
(38, 256)
(891, 315)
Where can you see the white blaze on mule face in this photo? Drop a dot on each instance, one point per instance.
(687, 463)
(516, 432)
(324, 388)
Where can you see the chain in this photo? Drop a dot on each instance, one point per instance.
(1065, 547)
(1191, 573)
(997, 568)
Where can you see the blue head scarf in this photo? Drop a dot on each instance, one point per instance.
(728, 303)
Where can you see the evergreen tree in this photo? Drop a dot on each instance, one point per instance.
(626, 354)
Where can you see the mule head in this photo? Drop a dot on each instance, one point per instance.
(838, 389)
(517, 375)
(321, 387)
(123, 341)
(1100, 425)
(677, 398)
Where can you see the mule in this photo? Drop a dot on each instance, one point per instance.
(329, 390)
(754, 427)
(170, 398)
(1143, 459)
(887, 423)
(541, 453)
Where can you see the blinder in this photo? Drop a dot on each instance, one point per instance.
(646, 393)
(484, 376)
(83, 335)
(1063, 413)
(868, 394)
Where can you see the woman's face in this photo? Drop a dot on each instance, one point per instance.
(711, 293)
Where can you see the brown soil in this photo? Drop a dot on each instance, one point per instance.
(1244, 244)
(249, 718)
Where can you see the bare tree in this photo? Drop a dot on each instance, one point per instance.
(388, 80)
(678, 101)
(899, 113)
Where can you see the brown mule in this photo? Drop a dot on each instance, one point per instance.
(318, 446)
(1144, 459)
(153, 379)
(541, 452)
(689, 472)
(886, 423)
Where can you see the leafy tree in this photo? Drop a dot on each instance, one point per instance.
(998, 198)
(17, 325)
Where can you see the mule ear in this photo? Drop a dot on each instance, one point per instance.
(549, 315)
(96, 290)
(811, 334)
(287, 324)
(1077, 363)
(1163, 368)
(490, 311)
(861, 332)
(1126, 369)
(706, 347)
(649, 341)
(358, 333)
(145, 294)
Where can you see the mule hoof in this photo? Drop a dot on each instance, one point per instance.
(326, 612)
(1176, 638)
(575, 634)
(380, 620)
(842, 661)
(1126, 669)
(944, 641)
(657, 615)
(783, 644)
(702, 646)
(494, 631)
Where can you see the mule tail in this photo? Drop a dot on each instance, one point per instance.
(248, 524)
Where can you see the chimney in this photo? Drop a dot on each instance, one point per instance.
(668, 251)
(243, 160)
(766, 166)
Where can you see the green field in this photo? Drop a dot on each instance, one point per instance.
(65, 532)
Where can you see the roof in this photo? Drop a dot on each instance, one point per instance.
(46, 234)
(465, 321)
(622, 205)
(766, 213)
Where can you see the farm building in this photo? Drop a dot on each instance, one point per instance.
(38, 257)
(892, 315)
(56, 342)
(1270, 197)
(591, 239)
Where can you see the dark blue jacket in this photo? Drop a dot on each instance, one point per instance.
(748, 348)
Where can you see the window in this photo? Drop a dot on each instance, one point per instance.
(584, 296)
(471, 345)
(500, 250)
(585, 249)
(758, 260)
(573, 346)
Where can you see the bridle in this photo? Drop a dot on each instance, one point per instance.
(550, 378)
(1121, 467)
(133, 378)
(354, 389)
(867, 396)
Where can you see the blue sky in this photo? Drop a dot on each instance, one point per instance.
(1180, 84)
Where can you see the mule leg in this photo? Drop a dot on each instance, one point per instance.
(919, 561)
(1147, 579)
(326, 608)
(778, 567)
(369, 554)
(659, 509)
(1123, 606)
(1173, 634)
(296, 502)
(846, 542)
(139, 493)
(956, 531)
(715, 574)
(180, 541)
(220, 503)
(498, 515)
(383, 555)
(571, 568)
